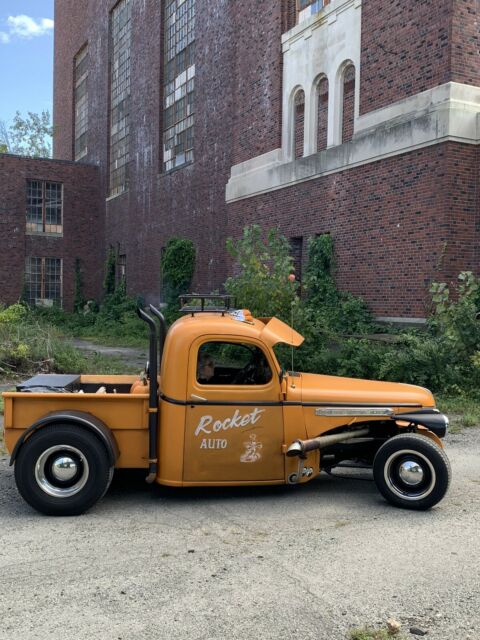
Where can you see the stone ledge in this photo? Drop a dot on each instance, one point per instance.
(448, 113)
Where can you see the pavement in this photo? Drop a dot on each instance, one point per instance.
(133, 357)
(308, 562)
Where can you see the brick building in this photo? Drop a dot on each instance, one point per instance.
(357, 118)
(50, 229)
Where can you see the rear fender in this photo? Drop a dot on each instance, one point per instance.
(79, 418)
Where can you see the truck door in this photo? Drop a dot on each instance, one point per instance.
(234, 424)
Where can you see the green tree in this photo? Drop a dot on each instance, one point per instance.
(29, 136)
(264, 266)
(4, 138)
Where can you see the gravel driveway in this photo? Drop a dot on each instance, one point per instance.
(306, 562)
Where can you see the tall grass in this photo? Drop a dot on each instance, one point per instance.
(29, 344)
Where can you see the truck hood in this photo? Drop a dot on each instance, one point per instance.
(332, 389)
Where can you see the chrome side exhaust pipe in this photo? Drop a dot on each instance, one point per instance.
(301, 447)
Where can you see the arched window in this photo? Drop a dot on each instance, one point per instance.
(299, 128)
(348, 103)
(322, 113)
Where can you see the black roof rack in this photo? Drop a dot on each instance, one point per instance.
(194, 303)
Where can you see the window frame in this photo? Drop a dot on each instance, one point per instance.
(47, 228)
(78, 82)
(309, 3)
(178, 87)
(121, 268)
(119, 98)
(42, 273)
(235, 341)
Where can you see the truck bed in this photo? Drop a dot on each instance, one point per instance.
(125, 413)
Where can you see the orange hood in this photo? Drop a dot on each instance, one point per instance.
(321, 389)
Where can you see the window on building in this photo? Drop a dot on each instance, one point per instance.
(296, 252)
(322, 115)
(299, 123)
(121, 268)
(81, 103)
(307, 8)
(44, 206)
(179, 83)
(120, 28)
(348, 103)
(43, 281)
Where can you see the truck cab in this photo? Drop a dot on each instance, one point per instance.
(216, 409)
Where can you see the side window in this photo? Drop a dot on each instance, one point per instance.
(222, 363)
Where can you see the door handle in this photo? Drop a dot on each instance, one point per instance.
(195, 397)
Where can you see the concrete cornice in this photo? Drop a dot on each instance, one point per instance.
(327, 15)
(449, 112)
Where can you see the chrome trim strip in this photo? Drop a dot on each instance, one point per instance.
(354, 411)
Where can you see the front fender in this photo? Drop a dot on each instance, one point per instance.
(432, 419)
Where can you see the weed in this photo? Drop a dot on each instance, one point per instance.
(462, 410)
(29, 344)
(367, 633)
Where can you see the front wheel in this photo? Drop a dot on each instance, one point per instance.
(411, 471)
(62, 470)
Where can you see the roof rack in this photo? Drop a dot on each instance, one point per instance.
(193, 304)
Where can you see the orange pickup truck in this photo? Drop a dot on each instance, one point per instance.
(215, 408)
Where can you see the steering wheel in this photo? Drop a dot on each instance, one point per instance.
(246, 375)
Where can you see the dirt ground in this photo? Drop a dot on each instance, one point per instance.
(307, 562)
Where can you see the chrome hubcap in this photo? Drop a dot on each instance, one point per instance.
(62, 471)
(411, 473)
(64, 468)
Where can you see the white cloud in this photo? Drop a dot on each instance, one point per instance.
(23, 26)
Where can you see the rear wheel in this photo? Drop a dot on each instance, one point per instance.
(411, 471)
(62, 470)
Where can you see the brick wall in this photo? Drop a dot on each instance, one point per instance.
(289, 14)
(237, 116)
(406, 48)
(75, 14)
(82, 225)
(258, 72)
(466, 42)
(397, 225)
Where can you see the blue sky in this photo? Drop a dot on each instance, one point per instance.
(26, 56)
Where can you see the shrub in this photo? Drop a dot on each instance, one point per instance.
(27, 344)
(109, 280)
(341, 311)
(264, 265)
(178, 267)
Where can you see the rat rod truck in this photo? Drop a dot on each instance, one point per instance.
(214, 408)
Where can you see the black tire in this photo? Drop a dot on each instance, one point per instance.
(62, 470)
(411, 471)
